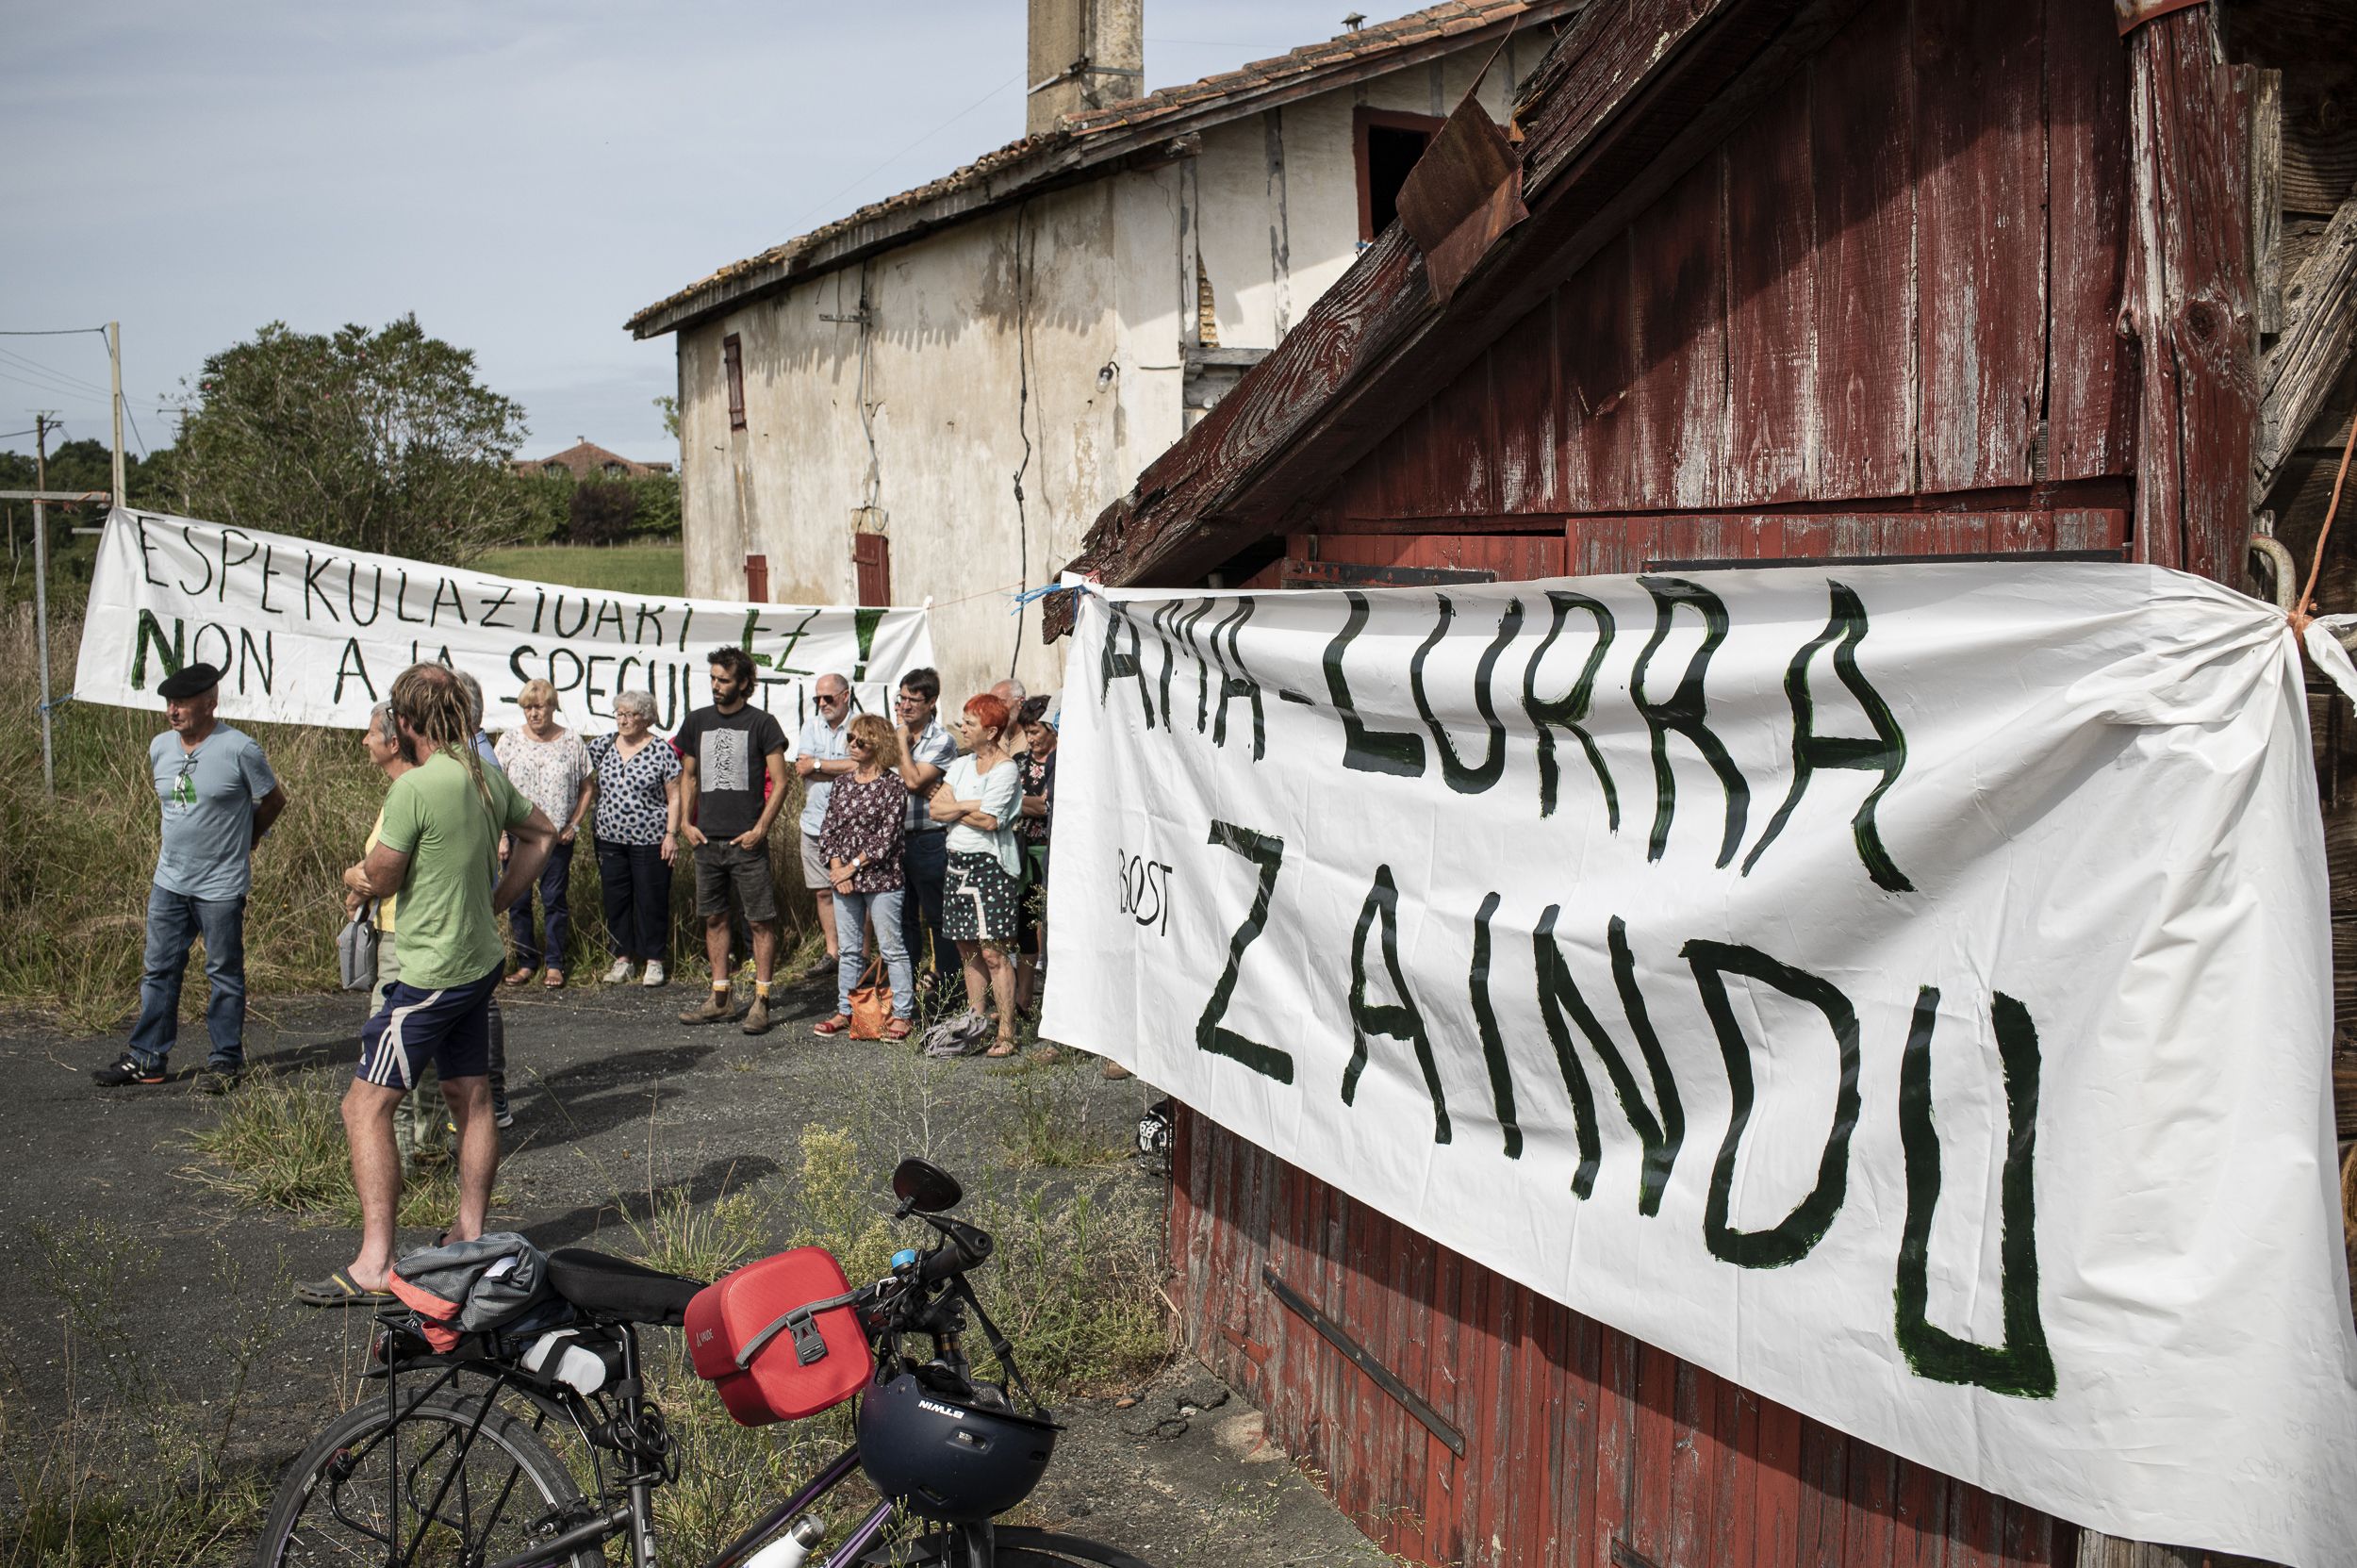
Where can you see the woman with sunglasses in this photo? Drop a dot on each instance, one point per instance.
(867, 820)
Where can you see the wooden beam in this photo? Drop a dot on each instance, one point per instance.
(2188, 300)
(1626, 103)
(2319, 324)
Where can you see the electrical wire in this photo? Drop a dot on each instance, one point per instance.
(827, 202)
(51, 371)
(134, 419)
(1023, 425)
(51, 332)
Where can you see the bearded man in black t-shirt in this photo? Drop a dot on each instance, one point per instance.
(725, 752)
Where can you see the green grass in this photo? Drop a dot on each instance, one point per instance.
(653, 568)
(74, 867)
(279, 1144)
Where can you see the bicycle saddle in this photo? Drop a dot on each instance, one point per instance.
(619, 1289)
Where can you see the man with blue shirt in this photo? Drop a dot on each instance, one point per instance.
(821, 755)
(219, 797)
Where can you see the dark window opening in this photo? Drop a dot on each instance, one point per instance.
(1387, 146)
(733, 360)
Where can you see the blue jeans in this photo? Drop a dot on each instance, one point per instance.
(925, 872)
(851, 911)
(556, 912)
(173, 922)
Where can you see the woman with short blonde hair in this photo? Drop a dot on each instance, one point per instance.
(860, 839)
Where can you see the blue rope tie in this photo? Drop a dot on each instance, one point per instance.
(1035, 594)
(54, 705)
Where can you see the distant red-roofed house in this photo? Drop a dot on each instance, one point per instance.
(935, 396)
(586, 459)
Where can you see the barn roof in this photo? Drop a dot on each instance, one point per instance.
(1630, 97)
(587, 460)
(1147, 129)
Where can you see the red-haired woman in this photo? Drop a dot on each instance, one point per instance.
(980, 797)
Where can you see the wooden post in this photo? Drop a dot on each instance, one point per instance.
(2190, 308)
(2189, 301)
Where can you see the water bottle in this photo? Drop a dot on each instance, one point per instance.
(792, 1549)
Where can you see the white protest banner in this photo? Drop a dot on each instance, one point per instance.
(1904, 990)
(311, 633)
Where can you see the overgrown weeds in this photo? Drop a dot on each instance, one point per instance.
(1056, 1128)
(133, 1474)
(74, 867)
(279, 1144)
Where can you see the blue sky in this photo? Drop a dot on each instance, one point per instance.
(523, 176)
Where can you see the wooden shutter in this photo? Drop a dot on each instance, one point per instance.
(757, 579)
(733, 360)
(871, 557)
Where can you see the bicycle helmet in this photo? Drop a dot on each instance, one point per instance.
(946, 1457)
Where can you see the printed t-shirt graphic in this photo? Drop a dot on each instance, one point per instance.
(208, 799)
(731, 752)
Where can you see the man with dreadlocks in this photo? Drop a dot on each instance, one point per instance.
(439, 849)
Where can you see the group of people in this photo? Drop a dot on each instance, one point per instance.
(932, 839)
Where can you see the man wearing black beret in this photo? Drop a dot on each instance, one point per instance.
(219, 798)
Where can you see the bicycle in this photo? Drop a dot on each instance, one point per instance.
(462, 1473)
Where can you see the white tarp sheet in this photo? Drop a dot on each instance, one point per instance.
(1902, 990)
(311, 633)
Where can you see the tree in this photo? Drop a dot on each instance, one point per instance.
(375, 440)
(668, 408)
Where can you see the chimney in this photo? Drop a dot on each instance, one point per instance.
(1082, 53)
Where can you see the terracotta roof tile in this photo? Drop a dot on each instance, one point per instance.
(1434, 21)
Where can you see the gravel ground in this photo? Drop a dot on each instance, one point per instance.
(621, 1111)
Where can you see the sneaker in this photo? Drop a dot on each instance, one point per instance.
(220, 1077)
(501, 1115)
(620, 973)
(757, 1017)
(128, 1071)
(715, 1010)
(655, 975)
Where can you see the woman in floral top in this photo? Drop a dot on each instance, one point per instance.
(549, 767)
(637, 825)
(861, 838)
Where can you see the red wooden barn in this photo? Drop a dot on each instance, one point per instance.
(1798, 278)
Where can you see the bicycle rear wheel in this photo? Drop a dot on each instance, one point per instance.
(367, 1484)
(1007, 1546)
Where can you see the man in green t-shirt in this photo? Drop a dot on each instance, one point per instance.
(438, 850)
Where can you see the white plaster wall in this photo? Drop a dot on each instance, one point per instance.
(947, 380)
(1106, 307)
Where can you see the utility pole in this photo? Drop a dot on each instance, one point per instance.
(114, 355)
(40, 584)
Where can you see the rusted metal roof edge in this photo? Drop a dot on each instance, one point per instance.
(1085, 152)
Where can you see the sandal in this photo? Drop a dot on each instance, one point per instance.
(340, 1289)
(1006, 1047)
(556, 980)
(518, 977)
(898, 1029)
(835, 1025)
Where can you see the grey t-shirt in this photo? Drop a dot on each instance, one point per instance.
(208, 797)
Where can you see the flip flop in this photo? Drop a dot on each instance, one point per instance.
(339, 1290)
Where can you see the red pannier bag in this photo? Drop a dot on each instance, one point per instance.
(776, 1340)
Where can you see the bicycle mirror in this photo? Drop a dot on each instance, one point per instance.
(925, 1187)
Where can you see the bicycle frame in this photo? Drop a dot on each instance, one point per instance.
(598, 1431)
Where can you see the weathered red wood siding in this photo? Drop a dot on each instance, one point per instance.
(1880, 319)
(1583, 1446)
(1900, 277)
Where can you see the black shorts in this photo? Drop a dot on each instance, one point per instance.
(722, 865)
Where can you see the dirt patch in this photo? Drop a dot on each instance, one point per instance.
(630, 1126)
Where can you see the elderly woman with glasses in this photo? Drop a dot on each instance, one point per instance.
(549, 767)
(637, 824)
